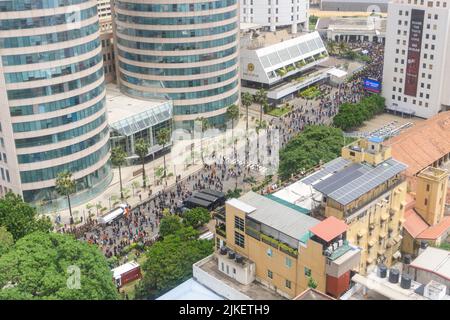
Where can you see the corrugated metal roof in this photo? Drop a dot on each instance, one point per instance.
(278, 216)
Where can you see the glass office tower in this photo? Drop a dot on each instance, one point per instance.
(185, 51)
(52, 99)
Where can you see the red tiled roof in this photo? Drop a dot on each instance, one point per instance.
(414, 224)
(422, 144)
(437, 230)
(329, 228)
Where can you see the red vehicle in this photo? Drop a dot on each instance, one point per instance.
(126, 273)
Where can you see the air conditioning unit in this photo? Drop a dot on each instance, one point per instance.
(341, 242)
(335, 246)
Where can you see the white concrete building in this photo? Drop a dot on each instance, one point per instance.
(281, 63)
(416, 62)
(274, 14)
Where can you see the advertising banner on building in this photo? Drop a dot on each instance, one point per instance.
(414, 47)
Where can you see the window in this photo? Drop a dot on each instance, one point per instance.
(426, 201)
(288, 262)
(238, 223)
(222, 267)
(239, 239)
(307, 272)
(269, 274)
(288, 284)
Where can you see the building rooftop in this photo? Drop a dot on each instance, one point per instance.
(423, 143)
(278, 216)
(367, 24)
(313, 294)
(434, 260)
(329, 228)
(434, 232)
(254, 290)
(353, 181)
(190, 290)
(129, 115)
(414, 223)
(117, 272)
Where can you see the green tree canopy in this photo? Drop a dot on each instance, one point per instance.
(19, 218)
(6, 240)
(169, 225)
(196, 217)
(39, 267)
(316, 143)
(169, 262)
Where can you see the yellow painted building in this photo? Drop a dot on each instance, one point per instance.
(368, 193)
(425, 222)
(279, 241)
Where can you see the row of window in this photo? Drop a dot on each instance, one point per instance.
(176, 7)
(21, 5)
(5, 175)
(58, 121)
(65, 151)
(205, 107)
(56, 88)
(47, 21)
(405, 99)
(3, 157)
(49, 38)
(177, 46)
(189, 95)
(177, 20)
(178, 59)
(179, 71)
(176, 34)
(61, 136)
(74, 166)
(429, 3)
(57, 105)
(178, 84)
(47, 56)
(52, 73)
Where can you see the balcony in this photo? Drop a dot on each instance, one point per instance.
(272, 242)
(221, 231)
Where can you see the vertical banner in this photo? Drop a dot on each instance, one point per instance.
(414, 48)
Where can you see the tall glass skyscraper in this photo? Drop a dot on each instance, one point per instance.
(52, 99)
(185, 51)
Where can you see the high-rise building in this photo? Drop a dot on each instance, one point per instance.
(275, 14)
(185, 52)
(52, 99)
(416, 60)
(107, 39)
(104, 9)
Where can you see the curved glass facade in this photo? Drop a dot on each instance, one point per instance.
(81, 111)
(138, 39)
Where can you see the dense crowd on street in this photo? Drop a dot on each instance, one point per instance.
(141, 225)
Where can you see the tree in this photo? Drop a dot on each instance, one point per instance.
(196, 217)
(261, 98)
(314, 144)
(6, 240)
(204, 126)
(247, 100)
(66, 186)
(163, 138)
(118, 159)
(169, 225)
(44, 266)
(141, 148)
(312, 283)
(331, 47)
(260, 125)
(233, 114)
(19, 218)
(169, 262)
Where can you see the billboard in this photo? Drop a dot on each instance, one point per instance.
(414, 48)
(372, 85)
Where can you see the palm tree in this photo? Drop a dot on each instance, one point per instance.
(141, 147)
(118, 159)
(65, 185)
(233, 114)
(331, 47)
(342, 47)
(259, 126)
(204, 127)
(247, 100)
(261, 98)
(163, 138)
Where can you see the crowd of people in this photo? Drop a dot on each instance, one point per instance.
(141, 225)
